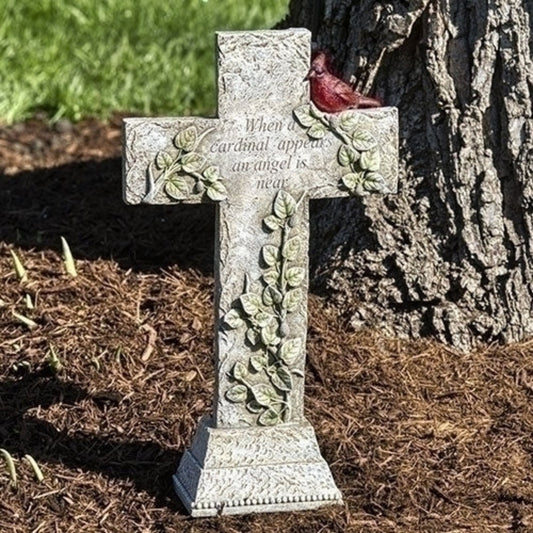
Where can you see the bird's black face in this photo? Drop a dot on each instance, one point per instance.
(318, 66)
(317, 70)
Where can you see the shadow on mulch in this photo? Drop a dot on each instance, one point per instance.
(83, 203)
(127, 460)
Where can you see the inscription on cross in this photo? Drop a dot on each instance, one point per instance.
(266, 155)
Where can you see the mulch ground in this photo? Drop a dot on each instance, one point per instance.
(420, 438)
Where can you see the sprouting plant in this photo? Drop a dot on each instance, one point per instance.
(10, 466)
(35, 467)
(13, 471)
(28, 302)
(53, 360)
(28, 322)
(20, 271)
(68, 260)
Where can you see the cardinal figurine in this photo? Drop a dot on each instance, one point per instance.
(329, 93)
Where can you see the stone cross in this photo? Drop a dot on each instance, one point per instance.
(266, 155)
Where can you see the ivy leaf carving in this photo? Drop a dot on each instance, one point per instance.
(240, 372)
(347, 155)
(186, 139)
(317, 130)
(348, 122)
(216, 191)
(270, 276)
(284, 205)
(374, 182)
(292, 300)
(294, 276)
(270, 254)
(177, 187)
(303, 115)
(351, 181)
(281, 379)
(268, 300)
(233, 319)
(237, 393)
(264, 319)
(370, 160)
(272, 222)
(269, 335)
(258, 362)
(264, 394)
(269, 418)
(251, 303)
(163, 160)
(271, 296)
(252, 336)
(210, 174)
(192, 162)
(290, 351)
(363, 140)
(291, 248)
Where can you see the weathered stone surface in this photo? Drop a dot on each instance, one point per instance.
(231, 471)
(266, 155)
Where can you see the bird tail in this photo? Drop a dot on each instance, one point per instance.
(368, 101)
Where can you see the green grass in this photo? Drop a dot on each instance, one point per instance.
(91, 57)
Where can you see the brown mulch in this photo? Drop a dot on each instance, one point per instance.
(420, 438)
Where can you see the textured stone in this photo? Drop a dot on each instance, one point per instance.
(231, 471)
(266, 155)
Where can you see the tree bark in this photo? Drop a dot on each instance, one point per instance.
(450, 256)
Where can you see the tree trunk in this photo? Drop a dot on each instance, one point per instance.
(451, 255)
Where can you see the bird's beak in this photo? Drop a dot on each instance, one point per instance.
(309, 75)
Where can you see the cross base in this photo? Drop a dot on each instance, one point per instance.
(258, 469)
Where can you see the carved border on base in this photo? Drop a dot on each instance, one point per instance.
(254, 505)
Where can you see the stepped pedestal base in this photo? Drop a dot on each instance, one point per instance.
(254, 470)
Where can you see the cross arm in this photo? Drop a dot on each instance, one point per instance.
(168, 160)
(360, 154)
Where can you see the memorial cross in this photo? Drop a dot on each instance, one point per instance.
(266, 155)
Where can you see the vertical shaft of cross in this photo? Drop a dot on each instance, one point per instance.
(263, 356)
(255, 384)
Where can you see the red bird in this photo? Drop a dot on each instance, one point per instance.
(331, 94)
